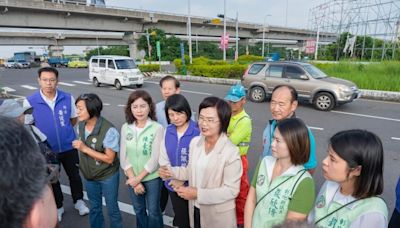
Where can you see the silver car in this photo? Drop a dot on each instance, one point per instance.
(311, 83)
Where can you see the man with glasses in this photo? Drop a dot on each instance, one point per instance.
(239, 132)
(283, 105)
(55, 115)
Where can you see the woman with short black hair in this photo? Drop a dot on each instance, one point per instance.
(174, 151)
(353, 171)
(98, 145)
(213, 172)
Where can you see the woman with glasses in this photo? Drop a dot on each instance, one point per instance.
(141, 138)
(281, 188)
(175, 151)
(98, 145)
(213, 171)
(353, 170)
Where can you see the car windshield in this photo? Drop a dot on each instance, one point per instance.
(125, 64)
(314, 72)
(21, 61)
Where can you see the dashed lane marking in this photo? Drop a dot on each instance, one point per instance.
(83, 83)
(66, 84)
(394, 138)
(316, 128)
(29, 87)
(8, 89)
(369, 116)
(124, 207)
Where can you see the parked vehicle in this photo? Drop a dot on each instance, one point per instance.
(22, 64)
(10, 63)
(58, 62)
(311, 83)
(114, 70)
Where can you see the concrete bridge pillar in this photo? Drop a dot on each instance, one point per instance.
(132, 39)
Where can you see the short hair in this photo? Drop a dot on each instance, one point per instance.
(293, 91)
(130, 118)
(48, 69)
(223, 110)
(295, 134)
(93, 103)
(172, 78)
(178, 103)
(361, 148)
(23, 173)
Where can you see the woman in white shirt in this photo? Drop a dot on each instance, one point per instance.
(354, 173)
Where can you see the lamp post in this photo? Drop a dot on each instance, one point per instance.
(263, 35)
(223, 48)
(189, 34)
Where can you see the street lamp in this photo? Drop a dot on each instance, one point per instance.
(263, 34)
(189, 34)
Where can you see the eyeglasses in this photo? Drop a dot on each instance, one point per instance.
(208, 120)
(51, 80)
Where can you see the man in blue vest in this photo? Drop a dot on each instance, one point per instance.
(283, 105)
(55, 115)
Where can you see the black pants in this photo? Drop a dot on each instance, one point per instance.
(395, 220)
(181, 210)
(69, 160)
(197, 218)
(163, 198)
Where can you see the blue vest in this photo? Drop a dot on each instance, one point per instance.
(178, 150)
(398, 195)
(55, 125)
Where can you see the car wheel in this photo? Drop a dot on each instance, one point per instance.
(96, 82)
(118, 85)
(257, 94)
(139, 85)
(324, 101)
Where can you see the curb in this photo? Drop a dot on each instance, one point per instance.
(366, 94)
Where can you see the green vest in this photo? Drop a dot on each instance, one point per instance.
(272, 208)
(139, 147)
(345, 216)
(90, 167)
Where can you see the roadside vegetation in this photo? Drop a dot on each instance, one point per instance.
(374, 76)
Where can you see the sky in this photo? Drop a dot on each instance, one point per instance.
(255, 11)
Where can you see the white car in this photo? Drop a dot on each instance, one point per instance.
(114, 70)
(10, 64)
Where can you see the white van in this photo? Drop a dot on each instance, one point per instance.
(114, 70)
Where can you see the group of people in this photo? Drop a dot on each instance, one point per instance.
(199, 163)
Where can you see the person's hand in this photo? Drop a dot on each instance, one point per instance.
(79, 145)
(139, 189)
(175, 184)
(187, 193)
(164, 172)
(132, 181)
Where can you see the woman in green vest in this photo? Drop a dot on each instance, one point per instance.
(353, 171)
(141, 138)
(98, 145)
(281, 188)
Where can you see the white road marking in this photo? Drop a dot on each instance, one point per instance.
(130, 89)
(394, 138)
(8, 89)
(369, 116)
(106, 104)
(186, 91)
(83, 83)
(316, 128)
(189, 91)
(124, 207)
(121, 105)
(66, 84)
(29, 87)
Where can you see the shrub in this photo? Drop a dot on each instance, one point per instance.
(218, 71)
(149, 67)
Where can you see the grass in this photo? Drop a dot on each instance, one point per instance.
(374, 76)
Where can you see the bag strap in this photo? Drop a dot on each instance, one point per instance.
(34, 134)
(280, 185)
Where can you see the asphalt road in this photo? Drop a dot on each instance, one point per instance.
(383, 118)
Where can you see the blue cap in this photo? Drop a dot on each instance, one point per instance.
(11, 108)
(235, 93)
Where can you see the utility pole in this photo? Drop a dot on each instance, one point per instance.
(263, 35)
(237, 36)
(223, 48)
(189, 34)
